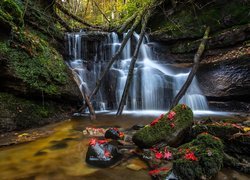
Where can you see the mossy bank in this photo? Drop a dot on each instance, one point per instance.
(33, 71)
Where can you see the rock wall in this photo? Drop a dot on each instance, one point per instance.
(224, 74)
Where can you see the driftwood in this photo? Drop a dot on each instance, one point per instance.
(132, 65)
(194, 68)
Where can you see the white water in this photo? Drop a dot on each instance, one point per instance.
(154, 84)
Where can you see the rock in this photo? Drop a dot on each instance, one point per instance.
(101, 153)
(113, 133)
(226, 83)
(202, 158)
(169, 128)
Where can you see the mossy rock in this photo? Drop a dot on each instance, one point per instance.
(221, 130)
(165, 130)
(35, 61)
(208, 153)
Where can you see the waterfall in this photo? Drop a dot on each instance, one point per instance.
(154, 84)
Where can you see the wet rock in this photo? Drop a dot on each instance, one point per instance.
(169, 128)
(113, 133)
(101, 153)
(226, 83)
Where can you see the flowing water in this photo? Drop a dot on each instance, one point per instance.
(154, 84)
(61, 156)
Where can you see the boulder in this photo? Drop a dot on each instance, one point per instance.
(113, 133)
(101, 153)
(202, 158)
(169, 128)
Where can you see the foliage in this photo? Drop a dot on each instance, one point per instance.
(103, 12)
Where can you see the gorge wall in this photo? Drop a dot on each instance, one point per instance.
(224, 73)
(36, 86)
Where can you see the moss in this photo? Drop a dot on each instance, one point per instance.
(25, 113)
(209, 152)
(11, 11)
(35, 61)
(223, 130)
(162, 130)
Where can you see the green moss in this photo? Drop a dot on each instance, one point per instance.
(35, 61)
(162, 130)
(209, 152)
(223, 131)
(11, 11)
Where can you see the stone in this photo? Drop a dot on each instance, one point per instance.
(169, 128)
(113, 133)
(101, 153)
(201, 158)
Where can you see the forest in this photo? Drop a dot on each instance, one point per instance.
(125, 89)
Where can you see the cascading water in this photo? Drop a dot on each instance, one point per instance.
(154, 83)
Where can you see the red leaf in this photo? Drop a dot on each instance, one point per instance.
(92, 142)
(191, 156)
(171, 115)
(158, 155)
(172, 125)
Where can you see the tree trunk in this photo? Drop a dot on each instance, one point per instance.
(117, 54)
(115, 57)
(128, 21)
(65, 11)
(90, 107)
(105, 17)
(63, 23)
(132, 65)
(194, 69)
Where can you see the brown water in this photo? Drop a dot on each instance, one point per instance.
(62, 155)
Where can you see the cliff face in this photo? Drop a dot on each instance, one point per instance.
(32, 67)
(225, 67)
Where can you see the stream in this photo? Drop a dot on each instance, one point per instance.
(62, 154)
